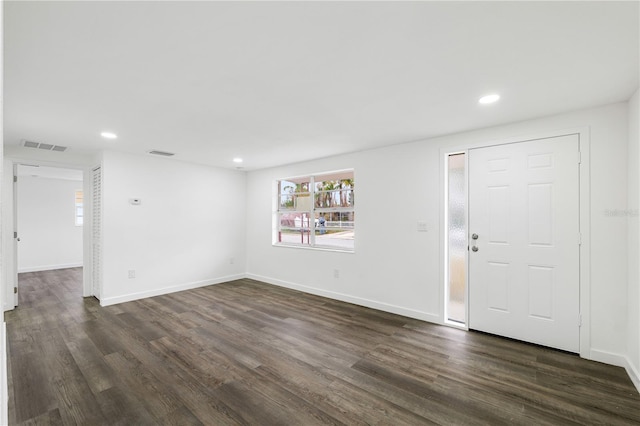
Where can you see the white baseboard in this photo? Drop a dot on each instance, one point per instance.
(411, 313)
(49, 267)
(617, 360)
(633, 373)
(107, 301)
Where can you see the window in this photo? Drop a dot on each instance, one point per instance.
(456, 241)
(79, 208)
(316, 211)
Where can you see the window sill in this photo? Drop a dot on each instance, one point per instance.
(317, 248)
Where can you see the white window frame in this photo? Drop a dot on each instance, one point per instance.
(308, 230)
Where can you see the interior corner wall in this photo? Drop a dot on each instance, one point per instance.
(397, 269)
(632, 213)
(4, 393)
(49, 237)
(188, 230)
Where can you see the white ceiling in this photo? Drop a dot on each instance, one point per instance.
(280, 82)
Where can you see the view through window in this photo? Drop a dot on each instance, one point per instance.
(79, 209)
(317, 211)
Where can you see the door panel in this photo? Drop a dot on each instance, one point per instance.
(524, 276)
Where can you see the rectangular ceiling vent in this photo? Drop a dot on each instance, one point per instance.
(162, 153)
(45, 146)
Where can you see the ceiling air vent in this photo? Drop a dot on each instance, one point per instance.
(45, 146)
(162, 153)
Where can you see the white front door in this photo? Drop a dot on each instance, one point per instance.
(524, 263)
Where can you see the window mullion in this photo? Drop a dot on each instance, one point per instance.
(279, 212)
(312, 219)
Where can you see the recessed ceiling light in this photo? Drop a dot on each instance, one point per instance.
(237, 160)
(108, 135)
(489, 99)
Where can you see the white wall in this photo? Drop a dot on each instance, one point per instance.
(395, 257)
(187, 231)
(634, 237)
(4, 394)
(49, 238)
(398, 268)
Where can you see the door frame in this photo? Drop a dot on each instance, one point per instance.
(9, 244)
(584, 222)
(15, 235)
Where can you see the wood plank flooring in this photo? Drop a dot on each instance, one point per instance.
(249, 353)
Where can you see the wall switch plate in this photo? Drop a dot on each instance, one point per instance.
(336, 273)
(422, 226)
(132, 273)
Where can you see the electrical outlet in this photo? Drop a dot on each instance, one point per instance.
(336, 273)
(132, 273)
(422, 226)
(232, 261)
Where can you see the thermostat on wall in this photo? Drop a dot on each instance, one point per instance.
(135, 201)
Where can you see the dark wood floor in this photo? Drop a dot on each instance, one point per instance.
(245, 352)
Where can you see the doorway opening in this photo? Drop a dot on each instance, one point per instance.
(456, 239)
(48, 222)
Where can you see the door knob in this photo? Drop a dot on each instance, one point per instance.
(474, 248)
(474, 236)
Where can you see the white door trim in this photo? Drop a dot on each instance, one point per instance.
(584, 219)
(15, 236)
(8, 259)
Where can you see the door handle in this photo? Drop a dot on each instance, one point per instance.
(474, 236)
(474, 248)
